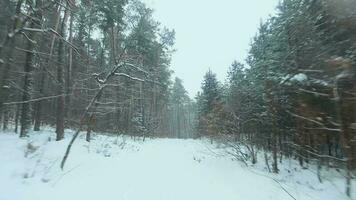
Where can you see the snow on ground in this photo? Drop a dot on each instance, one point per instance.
(157, 169)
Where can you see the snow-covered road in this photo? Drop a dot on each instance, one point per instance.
(158, 169)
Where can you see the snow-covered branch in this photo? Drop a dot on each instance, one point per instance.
(130, 77)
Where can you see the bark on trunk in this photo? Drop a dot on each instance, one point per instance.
(346, 87)
(7, 59)
(60, 78)
(28, 81)
(38, 106)
(274, 139)
(69, 68)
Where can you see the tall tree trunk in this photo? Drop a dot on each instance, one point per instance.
(60, 78)
(113, 46)
(274, 139)
(91, 124)
(346, 107)
(39, 104)
(17, 116)
(6, 60)
(178, 122)
(28, 69)
(69, 67)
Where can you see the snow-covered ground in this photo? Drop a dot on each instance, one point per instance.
(157, 169)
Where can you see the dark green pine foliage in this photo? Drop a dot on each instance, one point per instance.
(208, 101)
(292, 99)
(210, 92)
(179, 103)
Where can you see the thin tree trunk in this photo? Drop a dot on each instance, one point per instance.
(17, 115)
(91, 107)
(69, 67)
(179, 122)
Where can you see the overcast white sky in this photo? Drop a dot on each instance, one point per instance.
(210, 34)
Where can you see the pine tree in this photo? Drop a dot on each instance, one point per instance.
(179, 102)
(207, 101)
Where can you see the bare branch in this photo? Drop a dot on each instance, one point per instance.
(50, 30)
(307, 119)
(315, 93)
(34, 100)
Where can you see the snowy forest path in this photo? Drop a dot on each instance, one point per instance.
(158, 169)
(169, 169)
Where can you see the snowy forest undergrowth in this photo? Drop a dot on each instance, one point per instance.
(112, 167)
